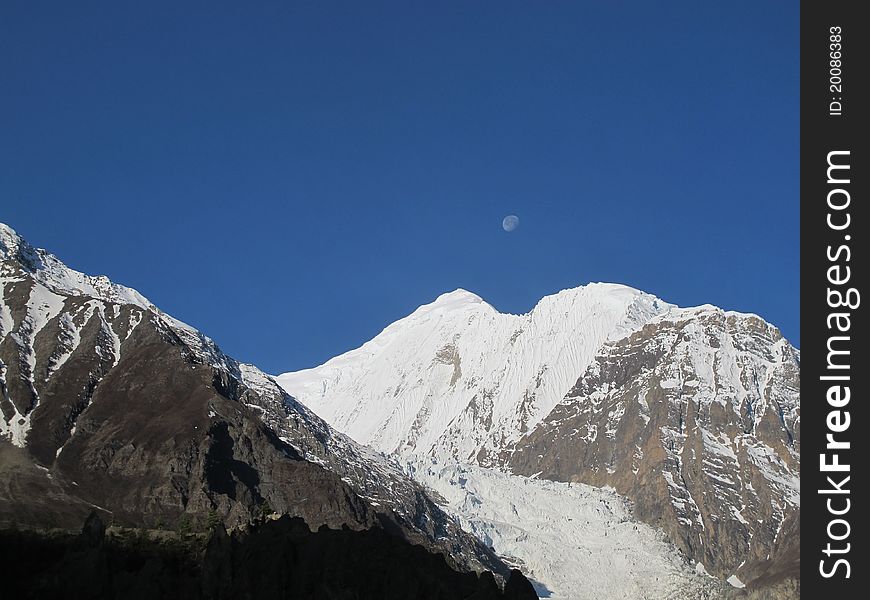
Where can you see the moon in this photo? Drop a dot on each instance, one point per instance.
(510, 222)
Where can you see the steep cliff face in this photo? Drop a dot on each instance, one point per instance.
(110, 404)
(696, 419)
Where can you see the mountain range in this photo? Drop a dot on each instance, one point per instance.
(607, 444)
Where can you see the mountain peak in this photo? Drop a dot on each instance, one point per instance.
(607, 292)
(471, 357)
(457, 300)
(51, 272)
(10, 242)
(457, 296)
(596, 289)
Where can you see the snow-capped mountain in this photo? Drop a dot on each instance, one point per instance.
(109, 404)
(459, 380)
(693, 414)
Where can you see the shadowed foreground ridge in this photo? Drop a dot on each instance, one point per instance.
(272, 559)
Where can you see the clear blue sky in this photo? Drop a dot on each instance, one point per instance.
(290, 177)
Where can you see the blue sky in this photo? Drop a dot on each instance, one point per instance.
(291, 177)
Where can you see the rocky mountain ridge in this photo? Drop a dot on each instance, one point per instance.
(108, 403)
